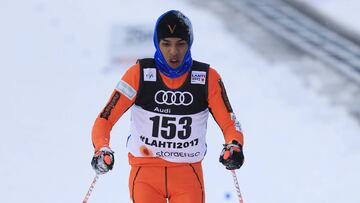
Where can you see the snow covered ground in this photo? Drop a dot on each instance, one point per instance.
(299, 148)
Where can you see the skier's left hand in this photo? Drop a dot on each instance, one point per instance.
(232, 156)
(103, 160)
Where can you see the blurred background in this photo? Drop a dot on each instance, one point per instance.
(291, 68)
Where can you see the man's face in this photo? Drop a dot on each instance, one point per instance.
(173, 49)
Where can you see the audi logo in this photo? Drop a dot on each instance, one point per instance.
(173, 98)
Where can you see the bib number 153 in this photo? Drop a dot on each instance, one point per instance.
(168, 127)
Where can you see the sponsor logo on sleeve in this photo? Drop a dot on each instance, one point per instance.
(150, 74)
(126, 89)
(109, 107)
(224, 96)
(198, 77)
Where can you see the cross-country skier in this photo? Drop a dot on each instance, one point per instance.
(170, 97)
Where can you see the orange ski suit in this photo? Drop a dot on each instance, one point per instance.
(152, 179)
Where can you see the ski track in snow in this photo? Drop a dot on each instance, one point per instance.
(298, 147)
(340, 12)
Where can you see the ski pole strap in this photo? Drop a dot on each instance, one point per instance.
(237, 186)
(91, 188)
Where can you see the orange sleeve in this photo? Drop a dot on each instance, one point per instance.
(121, 99)
(221, 110)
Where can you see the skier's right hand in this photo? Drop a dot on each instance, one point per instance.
(103, 160)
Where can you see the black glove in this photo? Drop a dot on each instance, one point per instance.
(232, 156)
(103, 160)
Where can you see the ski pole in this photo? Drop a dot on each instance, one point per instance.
(91, 188)
(237, 186)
